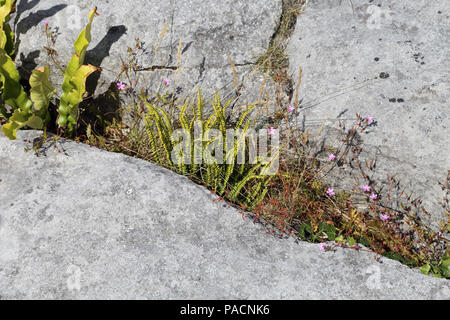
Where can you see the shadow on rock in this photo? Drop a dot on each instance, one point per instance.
(98, 112)
(96, 55)
(28, 65)
(23, 6)
(102, 109)
(33, 19)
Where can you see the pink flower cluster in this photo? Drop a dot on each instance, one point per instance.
(366, 188)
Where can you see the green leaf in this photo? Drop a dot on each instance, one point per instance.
(425, 268)
(20, 119)
(35, 122)
(435, 269)
(41, 91)
(445, 268)
(7, 40)
(6, 34)
(89, 132)
(340, 239)
(6, 6)
(74, 84)
(351, 241)
(330, 230)
(13, 93)
(80, 46)
(305, 231)
(17, 121)
(72, 96)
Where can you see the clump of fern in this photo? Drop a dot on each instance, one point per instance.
(17, 108)
(243, 183)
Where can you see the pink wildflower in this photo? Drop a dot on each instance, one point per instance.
(330, 192)
(321, 246)
(45, 22)
(331, 157)
(290, 108)
(384, 217)
(373, 196)
(271, 130)
(121, 85)
(369, 119)
(366, 188)
(166, 81)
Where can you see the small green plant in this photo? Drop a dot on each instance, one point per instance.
(439, 269)
(41, 92)
(33, 111)
(298, 203)
(15, 97)
(238, 182)
(74, 85)
(6, 34)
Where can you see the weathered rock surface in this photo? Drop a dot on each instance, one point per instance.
(390, 60)
(209, 30)
(85, 223)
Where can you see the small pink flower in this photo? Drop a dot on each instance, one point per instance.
(45, 22)
(330, 192)
(121, 85)
(384, 217)
(166, 81)
(373, 196)
(369, 119)
(321, 246)
(366, 188)
(331, 157)
(271, 130)
(290, 108)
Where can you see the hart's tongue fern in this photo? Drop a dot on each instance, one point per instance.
(33, 111)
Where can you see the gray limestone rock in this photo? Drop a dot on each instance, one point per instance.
(84, 223)
(209, 31)
(390, 60)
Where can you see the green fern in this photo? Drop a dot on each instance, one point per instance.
(238, 182)
(33, 111)
(74, 85)
(6, 34)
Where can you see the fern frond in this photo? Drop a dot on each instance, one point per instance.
(199, 105)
